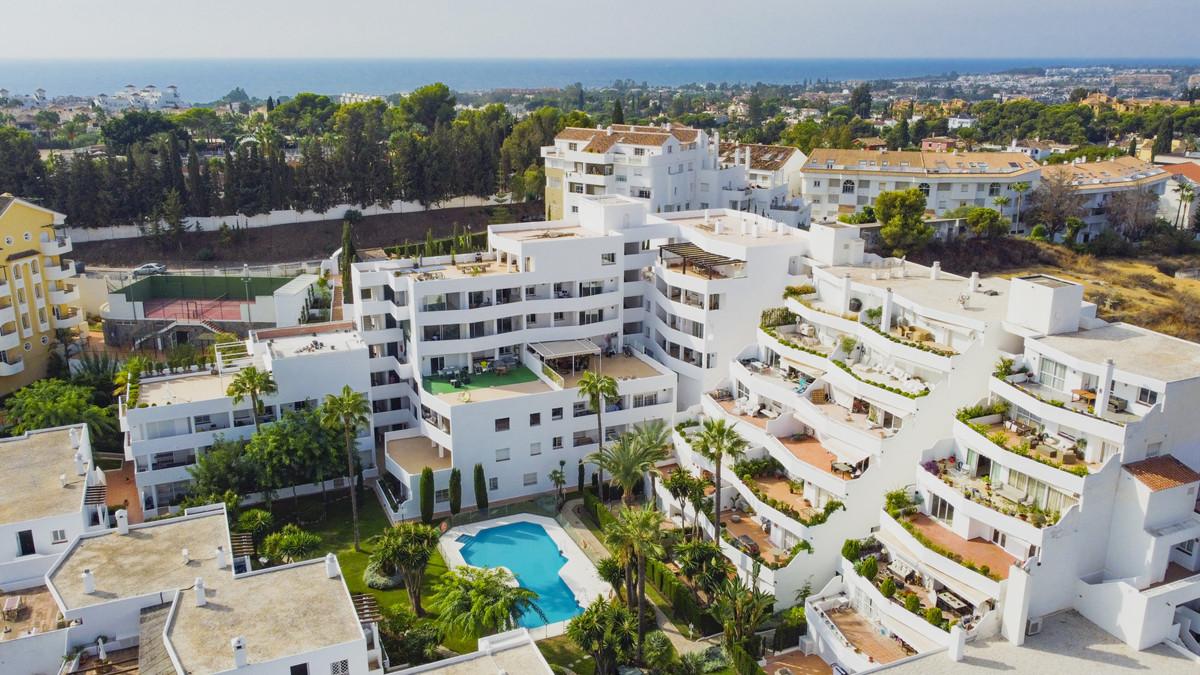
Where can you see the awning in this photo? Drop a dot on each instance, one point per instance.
(972, 595)
(802, 367)
(559, 349)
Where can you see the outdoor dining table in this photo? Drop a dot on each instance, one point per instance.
(1084, 395)
(841, 467)
(952, 601)
(12, 605)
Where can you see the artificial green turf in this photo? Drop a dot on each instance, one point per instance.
(518, 375)
(563, 653)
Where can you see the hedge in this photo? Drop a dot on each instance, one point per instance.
(743, 663)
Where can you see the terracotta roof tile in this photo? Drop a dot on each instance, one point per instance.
(1190, 170)
(1162, 473)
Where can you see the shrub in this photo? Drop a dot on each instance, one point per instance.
(934, 616)
(1003, 367)
(867, 568)
(798, 291)
(777, 316)
(888, 587)
(851, 549)
(912, 603)
(1039, 233)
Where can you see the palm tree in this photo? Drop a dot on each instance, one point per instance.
(558, 478)
(679, 484)
(252, 383)
(406, 549)
(1001, 202)
(607, 631)
(597, 389)
(644, 527)
(129, 374)
(619, 539)
(627, 461)
(612, 572)
(655, 437)
(703, 563)
(716, 442)
(291, 544)
(349, 412)
(97, 372)
(1185, 191)
(1020, 188)
(475, 601)
(740, 608)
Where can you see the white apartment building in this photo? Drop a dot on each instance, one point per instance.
(176, 417)
(1022, 501)
(672, 168)
(149, 97)
(840, 182)
(1097, 182)
(52, 494)
(177, 596)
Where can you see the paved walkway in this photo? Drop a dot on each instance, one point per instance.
(571, 519)
(122, 490)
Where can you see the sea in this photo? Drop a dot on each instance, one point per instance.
(203, 80)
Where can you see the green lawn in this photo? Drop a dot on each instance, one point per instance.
(518, 375)
(562, 653)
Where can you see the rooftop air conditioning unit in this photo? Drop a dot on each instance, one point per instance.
(1033, 626)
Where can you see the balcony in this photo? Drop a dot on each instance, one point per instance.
(975, 557)
(1030, 442)
(55, 245)
(67, 320)
(1017, 510)
(12, 368)
(9, 339)
(60, 272)
(65, 296)
(855, 640)
(1044, 397)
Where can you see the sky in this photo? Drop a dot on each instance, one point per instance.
(171, 29)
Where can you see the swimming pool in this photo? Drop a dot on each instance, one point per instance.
(527, 550)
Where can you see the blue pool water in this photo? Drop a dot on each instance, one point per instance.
(531, 555)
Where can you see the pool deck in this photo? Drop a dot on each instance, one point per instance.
(578, 573)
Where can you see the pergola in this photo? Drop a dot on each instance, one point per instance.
(697, 257)
(558, 350)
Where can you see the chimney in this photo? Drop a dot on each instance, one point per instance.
(74, 435)
(187, 557)
(885, 317)
(973, 284)
(89, 581)
(221, 562)
(705, 216)
(80, 469)
(198, 589)
(717, 226)
(935, 272)
(958, 643)
(1104, 389)
(101, 650)
(745, 227)
(62, 480)
(239, 651)
(122, 521)
(331, 566)
(846, 292)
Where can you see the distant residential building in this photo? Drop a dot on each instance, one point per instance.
(149, 97)
(1142, 79)
(938, 144)
(38, 295)
(1099, 181)
(870, 143)
(357, 98)
(840, 182)
(957, 122)
(673, 168)
(1037, 149)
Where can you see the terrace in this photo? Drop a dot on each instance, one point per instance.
(1022, 438)
(28, 612)
(809, 450)
(618, 366)
(854, 419)
(508, 377)
(1079, 401)
(859, 632)
(780, 490)
(1002, 499)
(186, 389)
(415, 453)
(740, 524)
(689, 259)
(976, 551)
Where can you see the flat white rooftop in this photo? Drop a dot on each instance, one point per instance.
(185, 389)
(319, 343)
(731, 229)
(278, 612)
(1134, 350)
(911, 281)
(1068, 643)
(147, 560)
(31, 465)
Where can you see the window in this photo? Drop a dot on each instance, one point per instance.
(300, 669)
(493, 483)
(557, 443)
(816, 183)
(535, 449)
(847, 187)
(1052, 374)
(581, 409)
(638, 152)
(643, 400)
(924, 188)
(1147, 396)
(58, 536)
(994, 190)
(572, 146)
(502, 424)
(529, 479)
(556, 413)
(340, 667)
(441, 496)
(535, 419)
(502, 455)
(608, 258)
(940, 509)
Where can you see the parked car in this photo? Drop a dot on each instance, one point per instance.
(149, 269)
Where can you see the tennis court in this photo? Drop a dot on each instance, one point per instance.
(201, 310)
(200, 298)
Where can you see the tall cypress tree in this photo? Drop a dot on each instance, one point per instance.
(455, 492)
(348, 255)
(481, 496)
(427, 495)
(1164, 136)
(618, 114)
